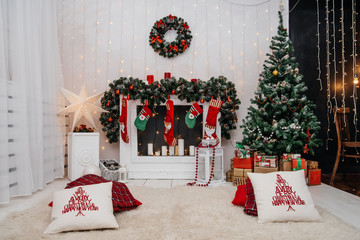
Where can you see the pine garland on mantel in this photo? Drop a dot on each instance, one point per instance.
(158, 92)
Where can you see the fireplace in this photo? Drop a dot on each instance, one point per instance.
(144, 165)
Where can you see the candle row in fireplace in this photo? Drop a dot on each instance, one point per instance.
(178, 150)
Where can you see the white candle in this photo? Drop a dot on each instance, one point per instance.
(191, 150)
(150, 149)
(157, 153)
(171, 151)
(164, 150)
(181, 147)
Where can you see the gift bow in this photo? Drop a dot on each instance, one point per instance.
(185, 26)
(157, 38)
(171, 17)
(173, 48)
(160, 23)
(183, 44)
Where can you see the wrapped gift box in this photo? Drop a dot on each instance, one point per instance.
(244, 153)
(241, 172)
(239, 181)
(312, 164)
(243, 162)
(289, 156)
(298, 163)
(314, 177)
(265, 161)
(285, 165)
(265, 169)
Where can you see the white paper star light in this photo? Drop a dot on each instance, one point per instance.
(81, 105)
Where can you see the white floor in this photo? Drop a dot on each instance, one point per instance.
(341, 204)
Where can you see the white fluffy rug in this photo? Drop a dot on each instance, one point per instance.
(180, 213)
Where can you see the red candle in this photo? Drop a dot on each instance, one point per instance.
(167, 75)
(150, 79)
(194, 80)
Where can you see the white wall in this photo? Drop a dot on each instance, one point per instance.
(101, 40)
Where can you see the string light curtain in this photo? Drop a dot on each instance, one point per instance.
(31, 142)
(230, 38)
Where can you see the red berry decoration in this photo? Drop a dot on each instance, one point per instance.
(173, 92)
(202, 100)
(117, 92)
(107, 104)
(131, 87)
(110, 119)
(159, 85)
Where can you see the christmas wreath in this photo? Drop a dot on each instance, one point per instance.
(174, 48)
(157, 93)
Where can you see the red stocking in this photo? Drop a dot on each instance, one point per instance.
(123, 121)
(211, 118)
(169, 124)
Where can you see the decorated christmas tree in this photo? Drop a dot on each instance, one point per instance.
(281, 119)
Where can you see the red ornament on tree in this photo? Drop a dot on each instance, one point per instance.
(173, 92)
(110, 119)
(128, 97)
(117, 92)
(107, 104)
(159, 85)
(131, 87)
(150, 78)
(202, 100)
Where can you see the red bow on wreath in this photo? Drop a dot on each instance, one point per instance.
(171, 17)
(173, 48)
(183, 44)
(157, 38)
(160, 23)
(185, 26)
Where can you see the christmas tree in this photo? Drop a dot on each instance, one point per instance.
(281, 119)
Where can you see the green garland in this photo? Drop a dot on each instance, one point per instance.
(157, 33)
(158, 92)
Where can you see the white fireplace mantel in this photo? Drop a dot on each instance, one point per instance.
(157, 167)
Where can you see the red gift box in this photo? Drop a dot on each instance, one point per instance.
(298, 163)
(314, 177)
(244, 162)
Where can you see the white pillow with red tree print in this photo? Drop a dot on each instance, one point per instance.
(283, 196)
(82, 208)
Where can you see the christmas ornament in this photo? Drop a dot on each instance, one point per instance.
(308, 134)
(192, 114)
(211, 118)
(131, 87)
(123, 121)
(81, 105)
(169, 124)
(110, 119)
(306, 149)
(283, 84)
(174, 48)
(142, 119)
(275, 72)
(283, 99)
(173, 92)
(117, 92)
(107, 104)
(202, 100)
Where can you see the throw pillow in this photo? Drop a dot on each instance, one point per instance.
(82, 208)
(121, 196)
(240, 196)
(283, 196)
(250, 205)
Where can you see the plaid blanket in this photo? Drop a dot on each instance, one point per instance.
(250, 205)
(121, 197)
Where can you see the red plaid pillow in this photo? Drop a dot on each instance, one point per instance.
(250, 205)
(121, 197)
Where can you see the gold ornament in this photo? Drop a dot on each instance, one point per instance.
(275, 72)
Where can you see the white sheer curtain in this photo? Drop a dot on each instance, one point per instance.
(31, 140)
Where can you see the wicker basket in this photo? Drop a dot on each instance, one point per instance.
(239, 180)
(229, 175)
(109, 169)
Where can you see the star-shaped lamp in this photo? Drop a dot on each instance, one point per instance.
(81, 105)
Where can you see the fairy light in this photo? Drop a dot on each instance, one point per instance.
(329, 105)
(318, 43)
(356, 80)
(109, 43)
(334, 54)
(343, 56)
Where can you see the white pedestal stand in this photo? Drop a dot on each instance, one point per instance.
(83, 150)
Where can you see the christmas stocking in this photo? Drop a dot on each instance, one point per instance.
(123, 121)
(169, 124)
(210, 125)
(142, 119)
(192, 114)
